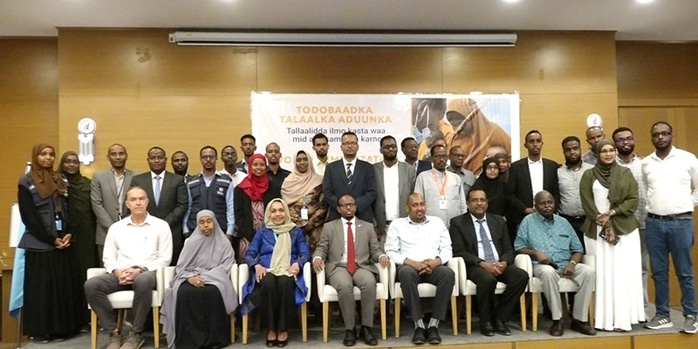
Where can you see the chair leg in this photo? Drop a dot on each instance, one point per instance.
(534, 311)
(397, 317)
(93, 328)
(245, 320)
(522, 304)
(156, 326)
(325, 320)
(232, 327)
(468, 314)
(119, 319)
(591, 309)
(304, 321)
(384, 330)
(454, 314)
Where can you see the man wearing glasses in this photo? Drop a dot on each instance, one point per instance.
(442, 190)
(456, 157)
(350, 175)
(210, 191)
(669, 173)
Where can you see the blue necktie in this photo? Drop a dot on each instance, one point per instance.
(486, 243)
(157, 190)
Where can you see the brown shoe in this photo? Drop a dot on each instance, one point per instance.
(582, 327)
(557, 329)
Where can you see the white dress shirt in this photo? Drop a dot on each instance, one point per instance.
(320, 167)
(148, 244)
(391, 188)
(352, 167)
(155, 183)
(480, 248)
(235, 178)
(418, 241)
(669, 182)
(535, 168)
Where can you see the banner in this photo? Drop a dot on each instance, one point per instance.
(480, 124)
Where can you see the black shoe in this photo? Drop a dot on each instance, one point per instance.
(557, 329)
(501, 328)
(486, 328)
(433, 335)
(40, 339)
(349, 338)
(271, 343)
(420, 336)
(283, 343)
(367, 336)
(582, 327)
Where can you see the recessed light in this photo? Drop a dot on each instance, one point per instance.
(644, 1)
(511, 1)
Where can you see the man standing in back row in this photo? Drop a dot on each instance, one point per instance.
(669, 173)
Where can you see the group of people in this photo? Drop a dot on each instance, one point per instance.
(345, 216)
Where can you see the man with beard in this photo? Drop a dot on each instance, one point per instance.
(210, 191)
(248, 145)
(167, 196)
(527, 177)
(594, 135)
(467, 127)
(556, 252)
(456, 157)
(410, 149)
(275, 172)
(230, 157)
(626, 157)
(180, 164)
(320, 146)
(394, 184)
(568, 178)
(669, 174)
(108, 192)
(442, 190)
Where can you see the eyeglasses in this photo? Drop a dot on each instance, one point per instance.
(350, 144)
(626, 139)
(663, 134)
(208, 157)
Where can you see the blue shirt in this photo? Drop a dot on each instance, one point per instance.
(556, 239)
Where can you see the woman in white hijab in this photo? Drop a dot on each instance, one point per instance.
(201, 297)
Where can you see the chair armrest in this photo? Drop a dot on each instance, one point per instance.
(321, 282)
(169, 275)
(455, 266)
(462, 274)
(391, 279)
(92, 272)
(234, 278)
(306, 278)
(243, 276)
(590, 261)
(383, 274)
(160, 283)
(523, 261)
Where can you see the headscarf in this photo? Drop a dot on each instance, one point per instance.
(298, 184)
(494, 188)
(47, 181)
(211, 257)
(79, 184)
(281, 256)
(485, 134)
(608, 175)
(255, 187)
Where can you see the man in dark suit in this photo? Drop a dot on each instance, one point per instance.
(167, 196)
(350, 176)
(526, 178)
(394, 184)
(410, 148)
(343, 274)
(482, 241)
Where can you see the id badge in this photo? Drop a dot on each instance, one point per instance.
(59, 224)
(304, 214)
(442, 204)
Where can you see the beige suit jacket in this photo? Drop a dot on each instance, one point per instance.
(331, 246)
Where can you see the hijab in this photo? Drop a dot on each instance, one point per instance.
(281, 256)
(47, 181)
(493, 187)
(209, 256)
(608, 175)
(298, 184)
(255, 186)
(78, 183)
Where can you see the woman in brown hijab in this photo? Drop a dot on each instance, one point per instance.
(466, 126)
(51, 301)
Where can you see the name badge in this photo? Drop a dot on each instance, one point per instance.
(442, 204)
(59, 224)
(304, 213)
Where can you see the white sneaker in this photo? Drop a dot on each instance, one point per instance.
(659, 322)
(690, 325)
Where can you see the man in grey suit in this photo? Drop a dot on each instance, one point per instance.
(343, 273)
(394, 184)
(167, 196)
(108, 192)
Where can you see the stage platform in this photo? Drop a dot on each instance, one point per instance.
(639, 338)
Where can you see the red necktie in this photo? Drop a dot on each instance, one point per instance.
(351, 255)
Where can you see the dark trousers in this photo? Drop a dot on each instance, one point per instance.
(442, 277)
(277, 301)
(516, 280)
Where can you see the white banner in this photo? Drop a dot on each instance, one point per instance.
(476, 123)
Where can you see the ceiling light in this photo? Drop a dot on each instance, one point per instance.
(644, 1)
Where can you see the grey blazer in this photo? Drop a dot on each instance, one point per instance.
(406, 178)
(331, 245)
(105, 203)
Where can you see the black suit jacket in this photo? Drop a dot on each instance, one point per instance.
(464, 238)
(423, 165)
(520, 191)
(172, 206)
(242, 205)
(362, 188)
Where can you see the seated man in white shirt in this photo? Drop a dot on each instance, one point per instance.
(134, 249)
(420, 245)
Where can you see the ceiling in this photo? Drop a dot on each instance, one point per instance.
(661, 20)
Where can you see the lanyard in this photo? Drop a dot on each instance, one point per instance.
(440, 186)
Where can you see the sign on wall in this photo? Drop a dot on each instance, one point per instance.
(477, 123)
